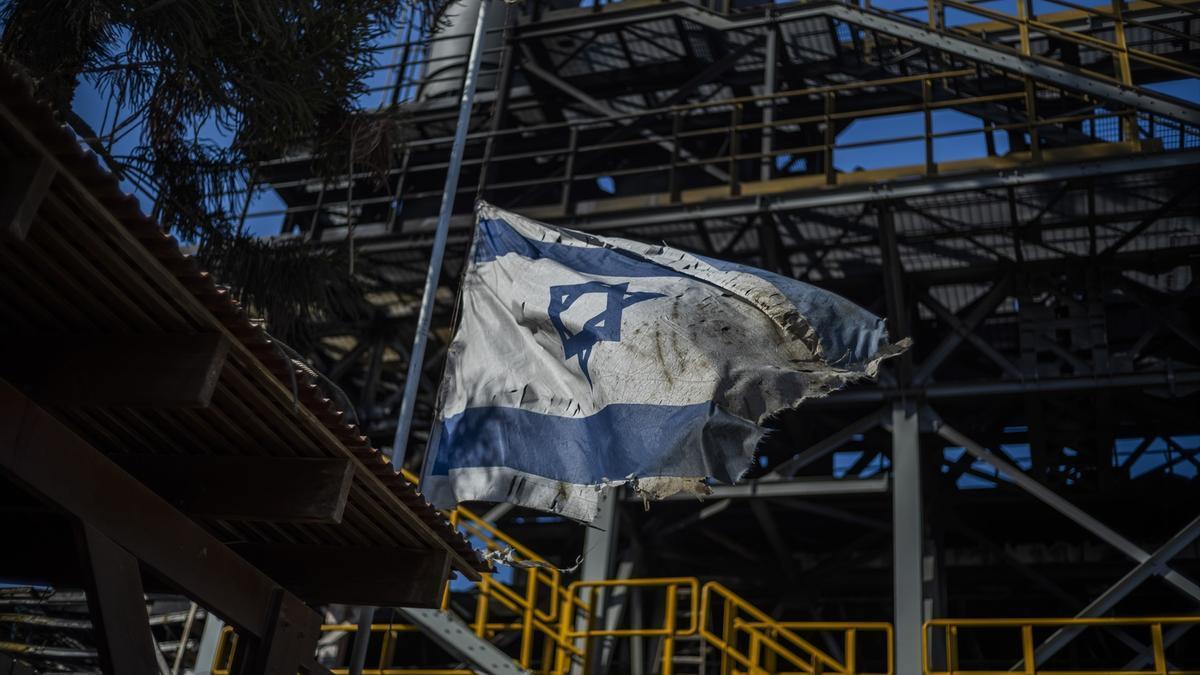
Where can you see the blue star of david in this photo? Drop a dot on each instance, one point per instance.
(604, 327)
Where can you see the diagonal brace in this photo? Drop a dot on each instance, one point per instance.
(1066, 508)
(963, 329)
(606, 110)
(1155, 564)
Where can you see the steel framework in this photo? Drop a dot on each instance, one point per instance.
(1029, 217)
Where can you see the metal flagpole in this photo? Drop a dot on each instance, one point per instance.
(416, 361)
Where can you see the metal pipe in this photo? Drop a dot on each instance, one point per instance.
(415, 361)
(183, 639)
(417, 356)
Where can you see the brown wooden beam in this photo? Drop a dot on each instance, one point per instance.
(23, 185)
(398, 577)
(49, 460)
(289, 647)
(280, 489)
(160, 371)
(117, 605)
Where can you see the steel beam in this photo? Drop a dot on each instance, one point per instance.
(1155, 564)
(418, 231)
(992, 388)
(1066, 508)
(907, 537)
(1001, 57)
(210, 639)
(899, 189)
(454, 636)
(1042, 70)
(800, 487)
(961, 329)
(966, 330)
(600, 553)
(608, 111)
(824, 447)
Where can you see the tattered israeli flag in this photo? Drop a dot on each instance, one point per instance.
(582, 362)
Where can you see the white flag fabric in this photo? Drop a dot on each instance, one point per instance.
(583, 362)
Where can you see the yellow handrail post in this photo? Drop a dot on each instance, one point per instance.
(851, 648)
(755, 649)
(527, 618)
(588, 624)
(669, 638)
(889, 635)
(727, 637)
(1124, 72)
(1027, 651)
(481, 606)
(564, 626)
(387, 649)
(1023, 15)
(951, 649)
(1028, 645)
(770, 655)
(1160, 654)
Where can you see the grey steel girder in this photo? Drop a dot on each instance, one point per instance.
(1066, 508)
(995, 55)
(858, 194)
(451, 634)
(1104, 602)
(900, 189)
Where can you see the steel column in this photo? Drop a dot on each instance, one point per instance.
(599, 551)
(768, 113)
(907, 534)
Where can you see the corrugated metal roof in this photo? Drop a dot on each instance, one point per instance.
(95, 264)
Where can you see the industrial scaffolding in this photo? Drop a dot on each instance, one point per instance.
(1029, 217)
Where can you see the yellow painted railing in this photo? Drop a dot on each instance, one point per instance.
(742, 637)
(223, 661)
(578, 630)
(559, 627)
(749, 639)
(951, 629)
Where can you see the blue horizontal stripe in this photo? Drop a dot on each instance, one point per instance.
(496, 238)
(618, 441)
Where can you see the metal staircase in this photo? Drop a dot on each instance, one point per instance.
(540, 623)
